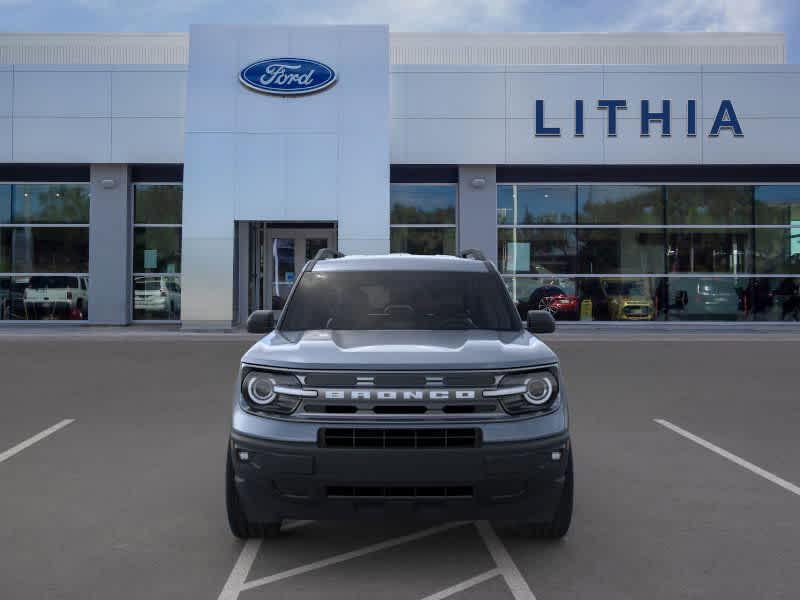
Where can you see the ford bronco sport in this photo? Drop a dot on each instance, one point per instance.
(399, 386)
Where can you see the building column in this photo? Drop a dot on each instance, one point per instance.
(109, 245)
(477, 210)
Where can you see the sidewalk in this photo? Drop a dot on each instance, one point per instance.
(566, 331)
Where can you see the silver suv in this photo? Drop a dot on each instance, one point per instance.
(399, 386)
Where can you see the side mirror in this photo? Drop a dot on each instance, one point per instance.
(262, 321)
(541, 321)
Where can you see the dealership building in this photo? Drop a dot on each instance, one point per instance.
(187, 178)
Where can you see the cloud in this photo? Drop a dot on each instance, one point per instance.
(415, 15)
(705, 15)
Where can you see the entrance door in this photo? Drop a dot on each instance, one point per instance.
(279, 254)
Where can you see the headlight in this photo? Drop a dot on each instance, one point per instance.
(269, 392)
(539, 388)
(260, 388)
(534, 391)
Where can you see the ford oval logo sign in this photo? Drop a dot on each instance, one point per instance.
(287, 76)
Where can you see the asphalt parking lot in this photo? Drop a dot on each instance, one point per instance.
(121, 496)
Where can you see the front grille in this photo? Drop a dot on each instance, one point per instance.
(399, 438)
(399, 492)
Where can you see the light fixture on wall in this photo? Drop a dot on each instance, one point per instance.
(478, 182)
(109, 183)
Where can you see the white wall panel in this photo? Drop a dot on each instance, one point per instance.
(62, 93)
(455, 141)
(363, 190)
(765, 141)
(147, 140)
(629, 148)
(359, 72)
(5, 139)
(397, 140)
(311, 177)
(209, 182)
(634, 87)
(364, 245)
(558, 90)
(207, 280)
(263, 113)
(210, 89)
(524, 147)
(79, 140)
(753, 94)
(6, 87)
(148, 93)
(455, 95)
(260, 176)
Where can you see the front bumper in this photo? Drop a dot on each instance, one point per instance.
(511, 480)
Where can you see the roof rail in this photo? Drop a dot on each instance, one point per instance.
(326, 253)
(473, 254)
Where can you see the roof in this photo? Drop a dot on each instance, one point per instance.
(524, 48)
(400, 262)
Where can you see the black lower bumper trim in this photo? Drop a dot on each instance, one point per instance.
(520, 480)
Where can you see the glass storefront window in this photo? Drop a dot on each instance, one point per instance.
(158, 204)
(718, 252)
(553, 294)
(777, 205)
(157, 214)
(44, 251)
(156, 297)
(535, 204)
(774, 299)
(592, 299)
(708, 299)
(709, 205)
(537, 251)
(431, 205)
(424, 240)
(620, 251)
(44, 204)
(778, 250)
(423, 204)
(157, 250)
(620, 205)
(710, 251)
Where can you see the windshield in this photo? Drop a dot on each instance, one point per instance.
(626, 288)
(40, 282)
(400, 300)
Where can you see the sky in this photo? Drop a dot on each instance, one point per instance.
(414, 15)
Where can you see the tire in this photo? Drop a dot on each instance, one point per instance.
(558, 527)
(239, 525)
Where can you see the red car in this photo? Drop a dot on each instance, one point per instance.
(554, 300)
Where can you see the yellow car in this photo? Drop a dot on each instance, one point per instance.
(628, 299)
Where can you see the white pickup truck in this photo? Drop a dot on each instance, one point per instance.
(56, 297)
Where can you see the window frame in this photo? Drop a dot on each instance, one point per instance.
(133, 274)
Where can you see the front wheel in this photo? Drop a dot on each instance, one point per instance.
(559, 525)
(239, 525)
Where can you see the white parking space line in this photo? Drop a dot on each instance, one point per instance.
(339, 558)
(731, 457)
(464, 585)
(505, 564)
(33, 439)
(244, 563)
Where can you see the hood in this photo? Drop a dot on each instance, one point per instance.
(400, 350)
(635, 300)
